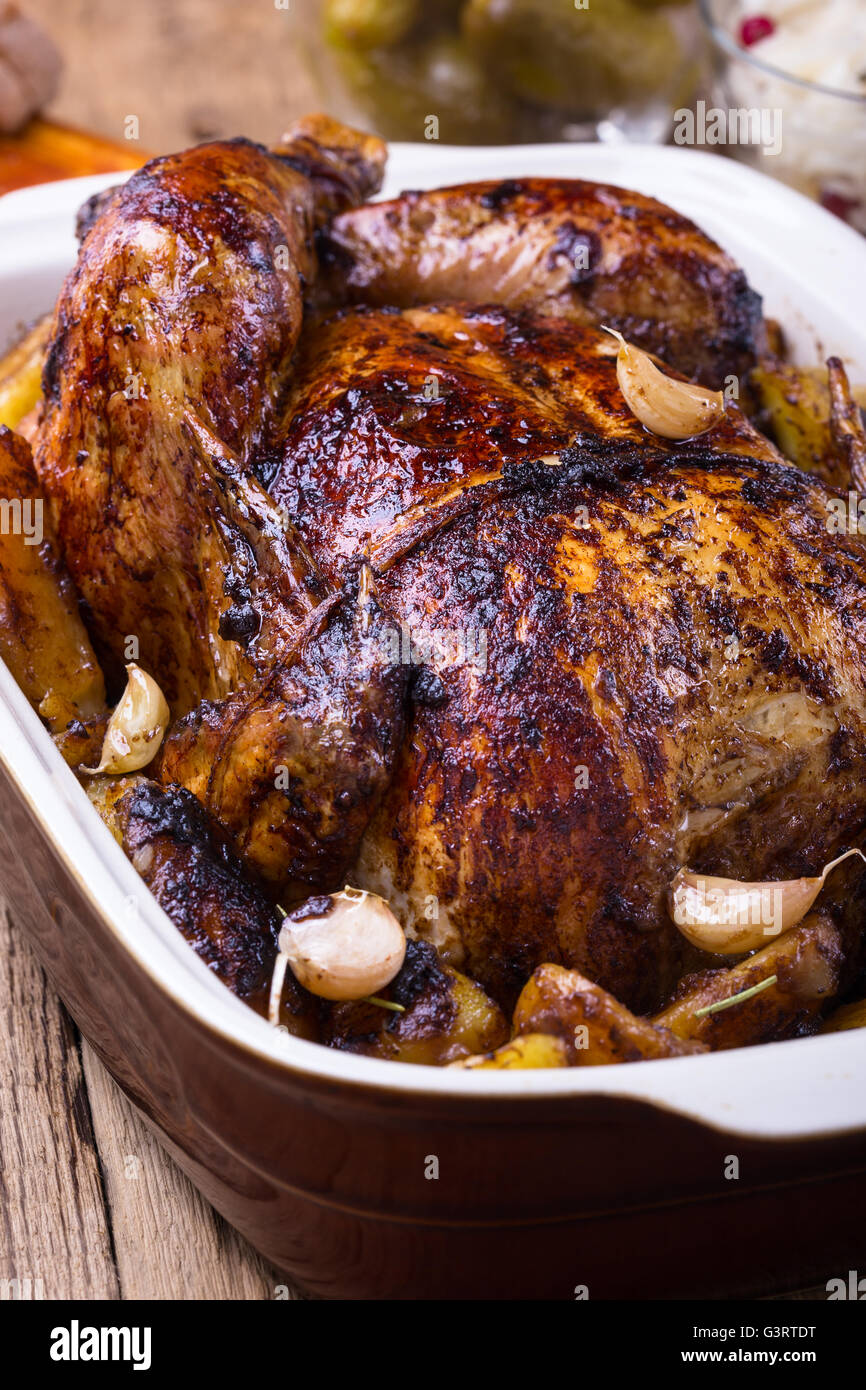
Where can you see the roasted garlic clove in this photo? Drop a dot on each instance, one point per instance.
(671, 409)
(346, 946)
(729, 917)
(135, 729)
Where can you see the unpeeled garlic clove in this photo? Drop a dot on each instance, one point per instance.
(135, 729)
(728, 917)
(671, 409)
(349, 948)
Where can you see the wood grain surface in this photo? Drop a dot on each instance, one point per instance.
(90, 1206)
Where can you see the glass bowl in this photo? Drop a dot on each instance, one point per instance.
(808, 134)
(503, 71)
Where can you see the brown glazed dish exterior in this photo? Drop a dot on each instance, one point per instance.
(533, 1199)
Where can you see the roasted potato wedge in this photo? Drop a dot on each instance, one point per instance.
(794, 410)
(806, 962)
(445, 1016)
(42, 637)
(594, 1027)
(21, 374)
(529, 1051)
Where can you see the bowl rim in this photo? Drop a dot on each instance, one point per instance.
(725, 40)
(758, 1092)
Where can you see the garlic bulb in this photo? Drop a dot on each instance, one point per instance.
(347, 948)
(671, 409)
(729, 917)
(135, 729)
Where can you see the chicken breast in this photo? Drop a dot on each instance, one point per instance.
(629, 655)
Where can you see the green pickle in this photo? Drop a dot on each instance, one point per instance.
(579, 62)
(401, 90)
(369, 23)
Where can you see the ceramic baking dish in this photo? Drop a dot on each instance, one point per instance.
(618, 1179)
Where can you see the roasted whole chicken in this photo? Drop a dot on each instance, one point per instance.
(362, 488)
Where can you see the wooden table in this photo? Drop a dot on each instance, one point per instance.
(91, 1207)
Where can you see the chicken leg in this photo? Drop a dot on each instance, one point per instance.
(168, 361)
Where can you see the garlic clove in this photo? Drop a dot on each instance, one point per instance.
(348, 947)
(671, 409)
(728, 917)
(136, 727)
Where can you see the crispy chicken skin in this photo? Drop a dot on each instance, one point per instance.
(388, 411)
(194, 875)
(294, 764)
(171, 343)
(649, 653)
(42, 637)
(593, 253)
(190, 868)
(431, 608)
(187, 300)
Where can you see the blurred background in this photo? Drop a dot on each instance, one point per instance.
(160, 74)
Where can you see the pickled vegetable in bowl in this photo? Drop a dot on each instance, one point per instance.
(496, 71)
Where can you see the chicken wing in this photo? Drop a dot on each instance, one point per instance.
(587, 251)
(169, 353)
(187, 301)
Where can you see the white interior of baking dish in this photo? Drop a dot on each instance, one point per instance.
(811, 270)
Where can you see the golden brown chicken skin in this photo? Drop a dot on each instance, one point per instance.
(190, 868)
(170, 347)
(391, 415)
(294, 765)
(641, 656)
(591, 252)
(623, 655)
(183, 311)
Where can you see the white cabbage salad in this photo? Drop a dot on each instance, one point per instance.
(823, 135)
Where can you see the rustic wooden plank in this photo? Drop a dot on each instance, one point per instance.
(169, 1243)
(54, 1229)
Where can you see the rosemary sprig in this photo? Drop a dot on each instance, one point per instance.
(383, 1003)
(736, 998)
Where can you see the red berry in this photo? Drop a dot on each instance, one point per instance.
(759, 26)
(838, 204)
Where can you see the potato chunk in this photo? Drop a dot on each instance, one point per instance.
(529, 1051)
(794, 404)
(21, 375)
(593, 1026)
(446, 1016)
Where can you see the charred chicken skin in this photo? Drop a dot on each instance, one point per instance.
(433, 610)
